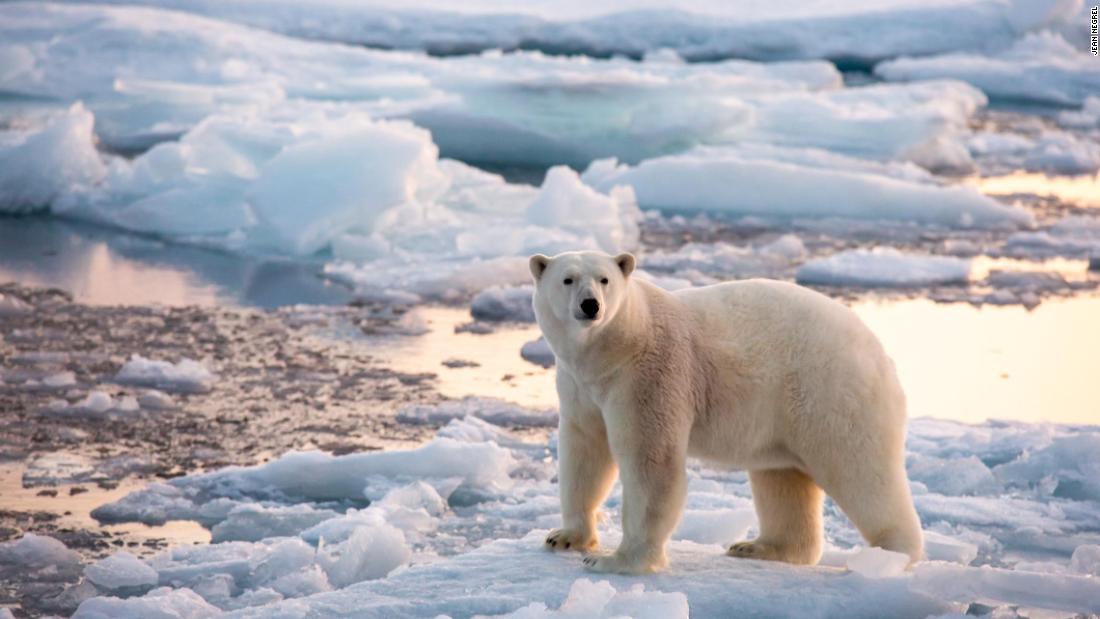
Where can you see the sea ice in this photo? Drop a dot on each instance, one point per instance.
(1040, 67)
(121, 570)
(1088, 117)
(780, 185)
(38, 558)
(41, 165)
(1086, 560)
(538, 352)
(429, 529)
(492, 410)
(883, 267)
(163, 602)
(186, 376)
(501, 303)
(600, 600)
(851, 30)
(878, 563)
(12, 306)
(1074, 594)
(1075, 236)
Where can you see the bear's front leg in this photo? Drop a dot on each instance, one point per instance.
(586, 472)
(651, 452)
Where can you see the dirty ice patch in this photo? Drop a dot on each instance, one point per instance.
(185, 376)
(883, 267)
(705, 31)
(784, 185)
(39, 165)
(1041, 67)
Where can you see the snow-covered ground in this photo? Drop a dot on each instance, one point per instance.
(1008, 509)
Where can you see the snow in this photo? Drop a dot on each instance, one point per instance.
(40, 165)
(877, 563)
(38, 558)
(1040, 67)
(492, 410)
(121, 570)
(504, 303)
(464, 517)
(700, 30)
(883, 267)
(185, 376)
(785, 185)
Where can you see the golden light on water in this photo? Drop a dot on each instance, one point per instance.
(1080, 190)
(971, 364)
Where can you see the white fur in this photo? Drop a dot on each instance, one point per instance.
(760, 375)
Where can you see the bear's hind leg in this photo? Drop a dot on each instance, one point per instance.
(788, 505)
(879, 504)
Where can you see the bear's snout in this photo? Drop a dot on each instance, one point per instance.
(590, 307)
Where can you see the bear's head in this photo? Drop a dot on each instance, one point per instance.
(579, 290)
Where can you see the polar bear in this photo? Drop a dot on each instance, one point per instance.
(760, 375)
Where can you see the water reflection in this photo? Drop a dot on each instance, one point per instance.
(956, 361)
(105, 267)
(969, 364)
(77, 509)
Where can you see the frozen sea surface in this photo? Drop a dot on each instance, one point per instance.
(466, 522)
(851, 30)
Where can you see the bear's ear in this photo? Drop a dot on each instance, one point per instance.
(626, 263)
(538, 264)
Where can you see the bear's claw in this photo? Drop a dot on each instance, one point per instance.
(564, 539)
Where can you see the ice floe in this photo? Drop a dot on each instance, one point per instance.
(185, 376)
(1041, 67)
(886, 267)
(499, 303)
(121, 570)
(538, 352)
(464, 518)
(38, 558)
(1076, 236)
(492, 410)
(852, 30)
(782, 185)
(40, 165)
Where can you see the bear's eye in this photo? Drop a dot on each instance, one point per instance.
(568, 281)
(603, 281)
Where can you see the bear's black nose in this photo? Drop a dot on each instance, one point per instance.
(590, 307)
